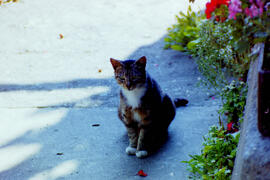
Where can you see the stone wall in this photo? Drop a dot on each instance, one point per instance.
(253, 155)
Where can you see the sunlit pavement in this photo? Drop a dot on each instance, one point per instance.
(58, 98)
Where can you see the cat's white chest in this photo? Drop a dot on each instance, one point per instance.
(134, 96)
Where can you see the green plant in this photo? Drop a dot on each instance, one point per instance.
(181, 36)
(216, 160)
(212, 51)
(216, 56)
(250, 19)
(233, 99)
(222, 49)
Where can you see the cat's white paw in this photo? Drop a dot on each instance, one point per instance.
(141, 154)
(131, 150)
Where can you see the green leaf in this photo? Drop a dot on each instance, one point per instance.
(192, 44)
(177, 47)
(167, 46)
(167, 39)
(242, 46)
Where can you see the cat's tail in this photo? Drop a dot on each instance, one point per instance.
(180, 102)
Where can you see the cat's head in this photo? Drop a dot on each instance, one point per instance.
(130, 74)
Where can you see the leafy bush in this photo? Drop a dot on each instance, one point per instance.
(216, 160)
(219, 55)
(233, 100)
(181, 36)
(222, 46)
(216, 56)
(212, 51)
(220, 62)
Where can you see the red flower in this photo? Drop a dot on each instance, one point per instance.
(229, 126)
(223, 19)
(235, 129)
(213, 5)
(141, 173)
(210, 7)
(217, 3)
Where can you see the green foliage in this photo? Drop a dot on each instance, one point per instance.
(216, 56)
(217, 156)
(181, 36)
(222, 52)
(220, 61)
(212, 51)
(234, 100)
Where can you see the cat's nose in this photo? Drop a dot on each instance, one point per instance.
(128, 85)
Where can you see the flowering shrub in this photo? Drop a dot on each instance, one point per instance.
(250, 8)
(219, 7)
(223, 53)
(222, 49)
(234, 8)
(249, 18)
(255, 8)
(247, 23)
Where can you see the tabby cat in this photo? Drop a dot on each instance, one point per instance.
(144, 109)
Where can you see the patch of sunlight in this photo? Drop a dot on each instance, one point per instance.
(60, 170)
(13, 155)
(17, 122)
(58, 97)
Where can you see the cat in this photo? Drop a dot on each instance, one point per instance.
(144, 109)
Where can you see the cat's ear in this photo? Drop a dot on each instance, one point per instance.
(115, 63)
(141, 62)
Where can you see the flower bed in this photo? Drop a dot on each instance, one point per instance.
(222, 43)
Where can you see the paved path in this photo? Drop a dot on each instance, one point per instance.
(58, 97)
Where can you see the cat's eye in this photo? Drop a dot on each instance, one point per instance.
(121, 78)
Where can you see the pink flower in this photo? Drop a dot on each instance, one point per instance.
(260, 4)
(234, 8)
(248, 12)
(254, 11)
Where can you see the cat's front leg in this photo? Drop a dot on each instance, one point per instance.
(132, 131)
(124, 114)
(142, 143)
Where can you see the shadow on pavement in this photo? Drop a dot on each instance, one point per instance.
(88, 142)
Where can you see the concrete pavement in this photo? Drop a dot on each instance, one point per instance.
(58, 97)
